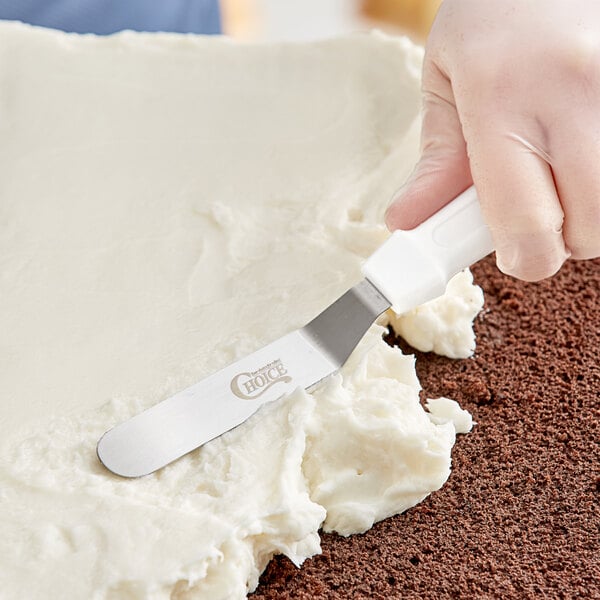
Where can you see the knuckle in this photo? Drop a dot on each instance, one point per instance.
(581, 58)
(490, 75)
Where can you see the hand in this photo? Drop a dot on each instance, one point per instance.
(511, 92)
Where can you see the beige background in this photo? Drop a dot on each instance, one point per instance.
(311, 19)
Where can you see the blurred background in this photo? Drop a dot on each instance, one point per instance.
(242, 19)
(310, 19)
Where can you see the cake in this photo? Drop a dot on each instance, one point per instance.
(519, 515)
(169, 204)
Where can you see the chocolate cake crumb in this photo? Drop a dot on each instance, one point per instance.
(520, 515)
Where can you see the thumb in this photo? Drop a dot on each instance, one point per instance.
(442, 172)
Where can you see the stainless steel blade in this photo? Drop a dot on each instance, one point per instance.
(198, 414)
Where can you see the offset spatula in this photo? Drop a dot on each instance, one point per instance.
(410, 268)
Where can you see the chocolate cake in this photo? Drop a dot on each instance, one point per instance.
(519, 516)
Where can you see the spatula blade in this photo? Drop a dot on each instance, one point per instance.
(202, 412)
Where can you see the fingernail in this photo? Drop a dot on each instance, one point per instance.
(532, 258)
(507, 258)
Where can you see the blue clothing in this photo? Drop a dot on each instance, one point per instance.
(109, 16)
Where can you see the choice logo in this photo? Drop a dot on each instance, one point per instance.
(249, 386)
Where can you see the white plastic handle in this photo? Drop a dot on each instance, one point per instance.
(414, 266)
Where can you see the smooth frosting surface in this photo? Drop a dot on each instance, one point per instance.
(167, 205)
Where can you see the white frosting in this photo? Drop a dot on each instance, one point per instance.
(444, 325)
(371, 449)
(445, 410)
(167, 205)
